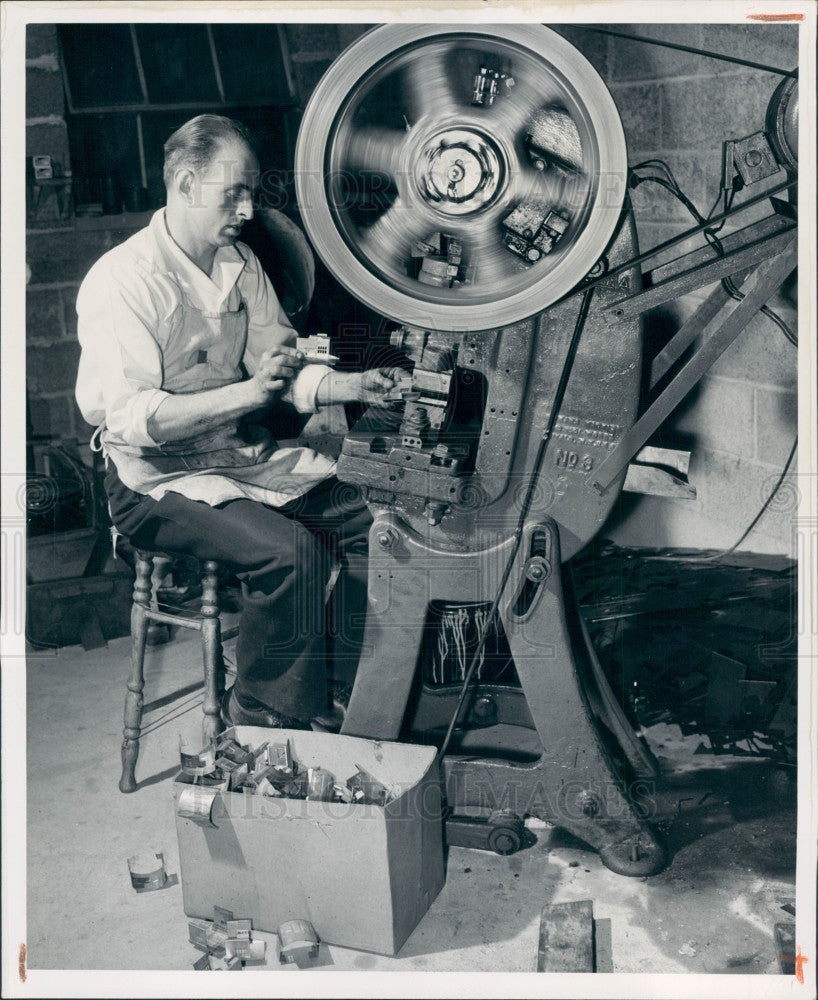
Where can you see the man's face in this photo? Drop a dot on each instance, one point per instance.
(223, 195)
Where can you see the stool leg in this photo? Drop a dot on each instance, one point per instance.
(136, 680)
(158, 632)
(211, 652)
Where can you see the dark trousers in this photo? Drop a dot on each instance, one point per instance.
(283, 557)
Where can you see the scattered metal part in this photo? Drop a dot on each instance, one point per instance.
(196, 802)
(220, 917)
(316, 349)
(279, 755)
(236, 929)
(206, 935)
(320, 784)
(224, 962)
(148, 873)
(298, 942)
(226, 941)
(235, 772)
(366, 788)
(566, 941)
(197, 764)
(245, 950)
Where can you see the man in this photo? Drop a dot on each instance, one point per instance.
(183, 339)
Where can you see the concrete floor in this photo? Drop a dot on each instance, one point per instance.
(712, 911)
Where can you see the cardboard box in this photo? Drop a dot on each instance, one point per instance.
(363, 875)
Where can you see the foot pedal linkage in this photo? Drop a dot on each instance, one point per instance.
(502, 831)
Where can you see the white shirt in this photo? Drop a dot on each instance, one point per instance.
(128, 307)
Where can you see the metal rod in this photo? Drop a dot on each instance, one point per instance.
(140, 140)
(769, 277)
(140, 69)
(182, 106)
(689, 48)
(695, 325)
(286, 60)
(215, 60)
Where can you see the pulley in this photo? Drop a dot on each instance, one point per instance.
(460, 177)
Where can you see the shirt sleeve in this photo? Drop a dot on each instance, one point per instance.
(269, 327)
(120, 371)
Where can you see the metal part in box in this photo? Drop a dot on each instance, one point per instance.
(363, 875)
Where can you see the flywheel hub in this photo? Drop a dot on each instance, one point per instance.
(458, 171)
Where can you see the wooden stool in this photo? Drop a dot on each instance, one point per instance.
(145, 615)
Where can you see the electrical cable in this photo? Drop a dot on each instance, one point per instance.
(726, 552)
(709, 233)
(727, 283)
(771, 314)
(767, 502)
(680, 238)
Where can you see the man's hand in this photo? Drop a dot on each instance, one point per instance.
(376, 382)
(358, 387)
(276, 368)
(187, 414)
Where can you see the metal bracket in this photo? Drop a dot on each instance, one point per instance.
(748, 254)
(757, 289)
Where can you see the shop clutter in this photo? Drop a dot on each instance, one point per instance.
(286, 825)
(227, 943)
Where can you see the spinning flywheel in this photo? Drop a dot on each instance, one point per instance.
(460, 177)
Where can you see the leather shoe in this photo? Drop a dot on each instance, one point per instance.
(233, 713)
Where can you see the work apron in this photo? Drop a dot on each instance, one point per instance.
(205, 351)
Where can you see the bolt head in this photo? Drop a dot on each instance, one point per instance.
(484, 708)
(387, 538)
(588, 803)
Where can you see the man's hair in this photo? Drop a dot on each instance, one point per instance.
(196, 142)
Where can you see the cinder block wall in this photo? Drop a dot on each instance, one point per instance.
(741, 420)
